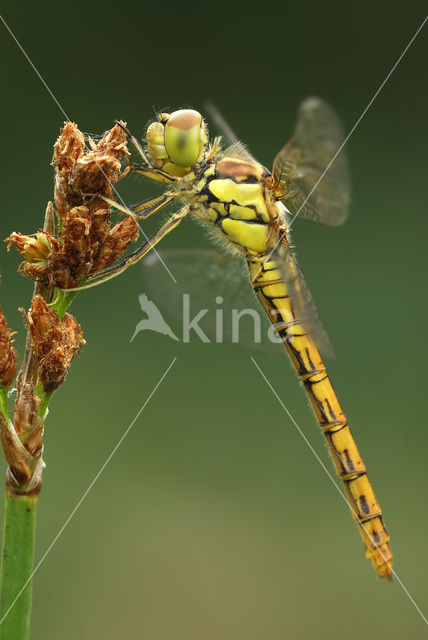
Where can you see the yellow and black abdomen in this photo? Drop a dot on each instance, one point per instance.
(272, 291)
(233, 197)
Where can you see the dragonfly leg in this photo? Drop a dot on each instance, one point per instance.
(146, 169)
(138, 254)
(152, 172)
(150, 206)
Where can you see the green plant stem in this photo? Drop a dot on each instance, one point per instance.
(63, 301)
(3, 402)
(17, 565)
(44, 405)
(19, 534)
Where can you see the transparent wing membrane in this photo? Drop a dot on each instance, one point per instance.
(215, 282)
(221, 124)
(220, 284)
(298, 168)
(238, 150)
(301, 298)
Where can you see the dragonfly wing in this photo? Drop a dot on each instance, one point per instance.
(214, 282)
(222, 125)
(236, 149)
(313, 179)
(301, 299)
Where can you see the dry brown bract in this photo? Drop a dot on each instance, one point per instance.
(7, 355)
(55, 342)
(36, 249)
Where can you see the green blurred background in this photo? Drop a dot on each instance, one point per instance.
(213, 519)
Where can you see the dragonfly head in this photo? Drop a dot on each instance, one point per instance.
(176, 141)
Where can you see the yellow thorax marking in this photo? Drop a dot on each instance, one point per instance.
(253, 237)
(242, 213)
(226, 190)
(219, 207)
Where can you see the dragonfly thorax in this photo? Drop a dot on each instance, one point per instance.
(235, 197)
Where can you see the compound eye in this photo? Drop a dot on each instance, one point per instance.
(183, 137)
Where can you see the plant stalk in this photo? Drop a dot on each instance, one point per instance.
(87, 243)
(19, 524)
(3, 402)
(17, 565)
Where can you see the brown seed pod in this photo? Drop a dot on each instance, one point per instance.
(36, 249)
(8, 354)
(116, 242)
(55, 342)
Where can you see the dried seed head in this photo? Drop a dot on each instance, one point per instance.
(83, 237)
(8, 355)
(115, 244)
(41, 320)
(99, 169)
(86, 243)
(36, 249)
(67, 149)
(55, 342)
(78, 173)
(64, 342)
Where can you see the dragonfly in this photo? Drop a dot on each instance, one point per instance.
(250, 209)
